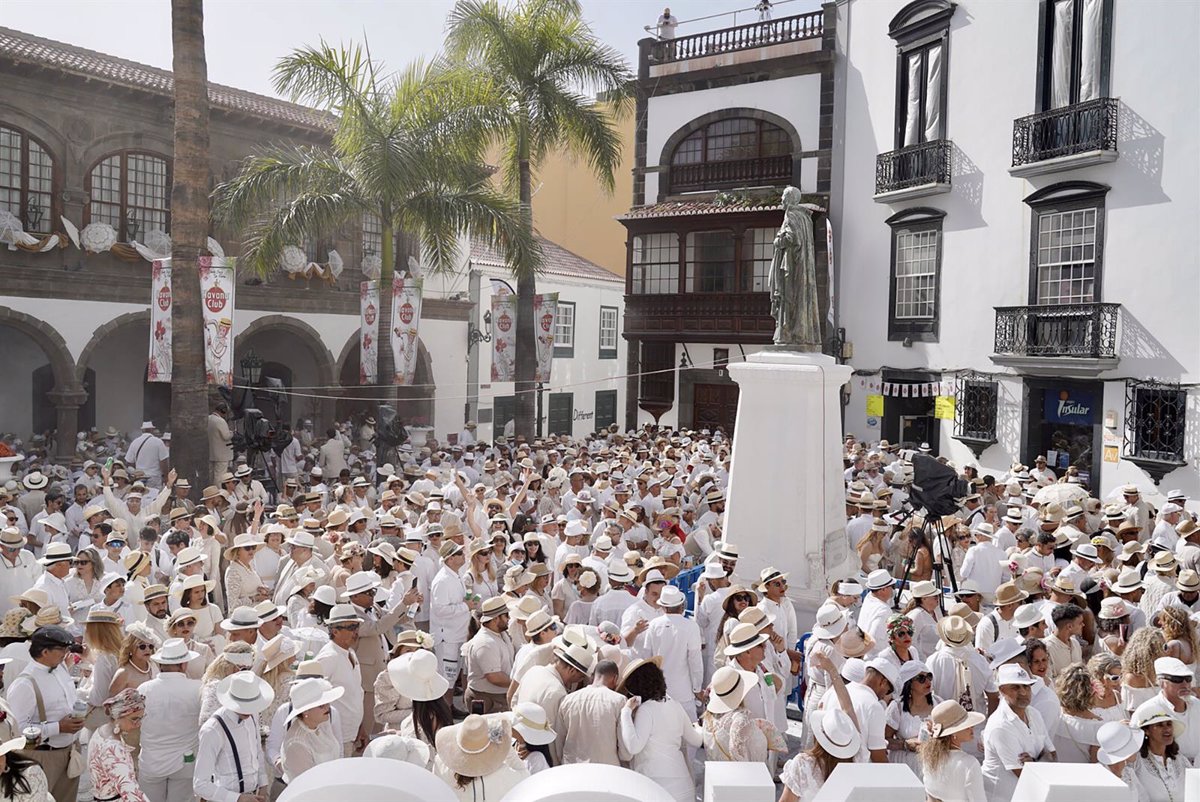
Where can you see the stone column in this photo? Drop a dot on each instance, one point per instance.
(66, 404)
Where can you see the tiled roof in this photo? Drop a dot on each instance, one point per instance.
(558, 261)
(696, 207)
(24, 48)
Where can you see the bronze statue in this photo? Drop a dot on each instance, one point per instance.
(793, 278)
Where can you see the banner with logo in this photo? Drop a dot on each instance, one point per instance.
(504, 338)
(1073, 407)
(406, 319)
(829, 258)
(161, 362)
(545, 314)
(368, 332)
(217, 298)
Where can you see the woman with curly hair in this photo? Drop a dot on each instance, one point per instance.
(134, 665)
(1044, 700)
(1139, 683)
(1105, 670)
(654, 729)
(1180, 635)
(1075, 740)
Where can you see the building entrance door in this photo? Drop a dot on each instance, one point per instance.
(714, 405)
(1064, 427)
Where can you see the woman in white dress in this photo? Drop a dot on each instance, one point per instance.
(193, 594)
(1161, 769)
(311, 739)
(836, 740)
(83, 585)
(1075, 739)
(1139, 683)
(949, 773)
(730, 731)
(654, 729)
(924, 612)
(21, 779)
(266, 560)
(1105, 670)
(907, 713)
(580, 610)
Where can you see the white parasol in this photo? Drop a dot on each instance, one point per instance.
(1065, 493)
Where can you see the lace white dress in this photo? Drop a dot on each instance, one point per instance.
(39, 787)
(1159, 783)
(906, 726)
(802, 776)
(304, 748)
(739, 736)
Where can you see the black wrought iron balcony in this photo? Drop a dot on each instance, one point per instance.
(1059, 134)
(740, 37)
(922, 169)
(1076, 331)
(731, 174)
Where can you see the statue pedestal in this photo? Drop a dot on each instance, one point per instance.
(786, 497)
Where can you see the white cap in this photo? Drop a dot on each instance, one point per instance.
(1172, 667)
(1013, 674)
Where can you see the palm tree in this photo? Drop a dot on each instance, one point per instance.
(540, 58)
(406, 150)
(189, 230)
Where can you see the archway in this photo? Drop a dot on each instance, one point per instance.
(117, 356)
(29, 345)
(414, 403)
(274, 339)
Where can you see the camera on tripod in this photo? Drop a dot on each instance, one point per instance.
(257, 433)
(391, 431)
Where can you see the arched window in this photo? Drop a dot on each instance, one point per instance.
(26, 179)
(735, 152)
(130, 191)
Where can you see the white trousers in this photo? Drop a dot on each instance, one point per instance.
(449, 654)
(176, 787)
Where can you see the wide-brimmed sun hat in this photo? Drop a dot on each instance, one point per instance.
(836, 733)
(476, 747)
(415, 676)
(306, 694)
(728, 688)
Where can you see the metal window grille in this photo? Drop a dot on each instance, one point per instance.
(976, 399)
(106, 192)
(757, 250)
(1155, 421)
(656, 264)
(916, 274)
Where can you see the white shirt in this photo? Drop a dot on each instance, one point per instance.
(449, 615)
(637, 611)
(216, 775)
(56, 590)
(984, 565)
(986, 634)
(343, 671)
(611, 606)
(1005, 739)
(147, 453)
(677, 640)
(171, 727)
(870, 712)
(959, 778)
(872, 619)
(58, 699)
(18, 577)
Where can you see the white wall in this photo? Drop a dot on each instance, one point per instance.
(1151, 236)
(796, 99)
(19, 357)
(119, 363)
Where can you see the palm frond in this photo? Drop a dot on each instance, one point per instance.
(306, 215)
(265, 179)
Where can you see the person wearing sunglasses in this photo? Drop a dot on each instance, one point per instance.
(907, 714)
(134, 665)
(1175, 679)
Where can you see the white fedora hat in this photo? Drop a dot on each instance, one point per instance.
(245, 693)
(241, 618)
(529, 719)
(729, 687)
(309, 693)
(1118, 741)
(360, 582)
(836, 733)
(173, 652)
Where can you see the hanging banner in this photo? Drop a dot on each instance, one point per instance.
(368, 332)
(504, 338)
(406, 320)
(161, 362)
(545, 314)
(217, 301)
(829, 254)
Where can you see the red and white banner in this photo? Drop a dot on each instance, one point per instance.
(217, 287)
(504, 338)
(406, 321)
(545, 315)
(161, 362)
(368, 332)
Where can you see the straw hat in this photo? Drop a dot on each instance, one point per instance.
(854, 642)
(245, 693)
(949, 717)
(955, 631)
(59, 552)
(831, 623)
(415, 676)
(277, 650)
(309, 693)
(632, 666)
(193, 581)
(539, 622)
(243, 541)
(1008, 593)
(10, 624)
(743, 638)
(241, 618)
(1164, 563)
(173, 652)
(836, 733)
(476, 747)
(48, 616)
(729, 687)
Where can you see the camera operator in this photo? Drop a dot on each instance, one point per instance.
(220, 442)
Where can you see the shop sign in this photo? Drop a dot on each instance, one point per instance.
(1070, 407)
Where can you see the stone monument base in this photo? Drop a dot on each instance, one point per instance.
(786, 497)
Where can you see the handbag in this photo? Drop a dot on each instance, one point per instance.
(75, 758)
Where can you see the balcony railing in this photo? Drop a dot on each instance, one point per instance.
(701, 317)
(730, 174)
(742, 37)
(913, 166)
(1086, 331)
(1082, 128)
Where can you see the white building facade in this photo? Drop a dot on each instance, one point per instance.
(1016, 205)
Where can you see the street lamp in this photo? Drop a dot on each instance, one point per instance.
(252, 367)
(33, 216)
(131, 226)
(475, 335)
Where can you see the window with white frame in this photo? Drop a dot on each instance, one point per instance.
(1066, 256)
(916, 267)
(564, 330)
(655, 264)
(608, 332)
(131, 192)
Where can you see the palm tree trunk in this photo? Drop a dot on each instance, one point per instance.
(524, 422)
(189, 229)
